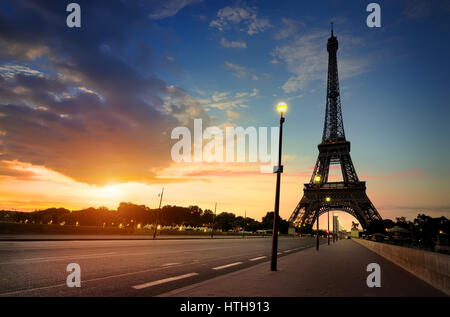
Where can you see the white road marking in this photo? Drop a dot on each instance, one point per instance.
(287, 251)
(83, 281)
(258, 258)
(166, 280)
(225, 266)
(279, 253)
(170, 264)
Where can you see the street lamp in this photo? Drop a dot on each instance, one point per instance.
(281, 107)
(317, 180)
(156, 217)
(334, 237)
(328, 199)
(214, 219)
(245, 224)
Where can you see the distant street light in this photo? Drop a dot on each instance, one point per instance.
(281, 107)
(334, 238)
(328, 199)
(156, 218)
(214, 219)
(317, 180)
(245, 224)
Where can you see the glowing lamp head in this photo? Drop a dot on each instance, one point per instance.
(327, 199)
(317, 179)
(282, 107)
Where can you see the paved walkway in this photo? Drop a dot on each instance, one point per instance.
(336, 270)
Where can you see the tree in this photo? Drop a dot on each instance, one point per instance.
(376, 226)
(267, 223)
(224, 221)
(207, 217)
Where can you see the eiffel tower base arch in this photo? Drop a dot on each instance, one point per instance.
(349, 198)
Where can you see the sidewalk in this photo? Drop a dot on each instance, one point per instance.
(335, 270)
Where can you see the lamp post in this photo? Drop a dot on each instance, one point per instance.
(156, 218)
(317, 180)
(328, 199)
(334, 238)
(245, 224)
(281, 107)
(214, 219)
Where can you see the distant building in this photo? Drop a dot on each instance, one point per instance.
(337, 224)
(339, 229)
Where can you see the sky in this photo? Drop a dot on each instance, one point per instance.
(86, 114)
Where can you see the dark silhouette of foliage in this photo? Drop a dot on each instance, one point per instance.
(224, 221)
(267, 223)
(129, 215)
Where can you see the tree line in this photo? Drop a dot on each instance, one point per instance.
(132, 215)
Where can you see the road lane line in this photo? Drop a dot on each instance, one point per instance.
(287, 251)
(227, 265)
(166, 280)
(258, 258)
(83, 281)
(170, 264)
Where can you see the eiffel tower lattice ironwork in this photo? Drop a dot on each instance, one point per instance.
(348, 195)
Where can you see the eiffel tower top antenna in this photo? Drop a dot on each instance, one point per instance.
(333, 130)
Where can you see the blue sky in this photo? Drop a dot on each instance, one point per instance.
(112, 90)
(395, 92)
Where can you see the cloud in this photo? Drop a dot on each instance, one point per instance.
(224, 101)
(233, 115)
(182, 106)
(306, 58)
(232, 44)
(240, 71)
(168, 8)
(228, 16)
(91, 115)
(290, 28)
(10, 70)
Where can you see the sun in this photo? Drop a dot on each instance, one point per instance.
(112, 191)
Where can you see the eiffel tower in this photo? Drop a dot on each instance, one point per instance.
(350, 194)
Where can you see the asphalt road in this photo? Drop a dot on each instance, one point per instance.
(129, 268)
